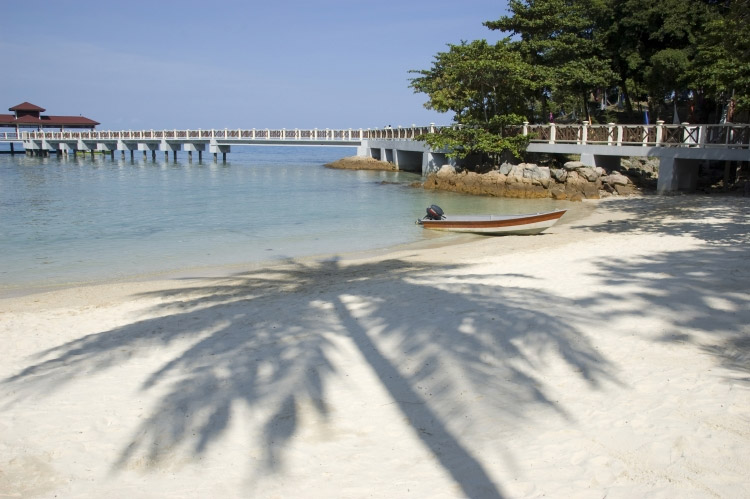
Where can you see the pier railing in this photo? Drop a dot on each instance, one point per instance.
(227, 134)
(660, 134)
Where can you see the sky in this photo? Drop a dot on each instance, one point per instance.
(164, 64)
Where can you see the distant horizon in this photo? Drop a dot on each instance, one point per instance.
(331, 65)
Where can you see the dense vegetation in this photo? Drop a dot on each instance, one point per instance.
(596, 60)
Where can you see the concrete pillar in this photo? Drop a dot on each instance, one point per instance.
(216, 157)
(190, 156)
(131, 155)
(166, 156)
(224, 157)
(200, 156)
(174, 156)
(153, 155)
(112, 154)
(12, 150)
(144, 156)
(677, 174)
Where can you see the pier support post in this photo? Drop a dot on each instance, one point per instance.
(224, 157)
(174, 156)
(166, 156)
(131, 155)
(200, 156)
(12, 151)
(190, 156)
(153, 155)
(144, 156)
(112, 154)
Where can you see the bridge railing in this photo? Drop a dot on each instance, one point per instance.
(354, 135)
(682, 135)
(659, 134)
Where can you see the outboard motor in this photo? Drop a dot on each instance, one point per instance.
(434, 212)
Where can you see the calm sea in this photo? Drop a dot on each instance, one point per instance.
(71, 220)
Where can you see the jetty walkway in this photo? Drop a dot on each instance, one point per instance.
(680, 148)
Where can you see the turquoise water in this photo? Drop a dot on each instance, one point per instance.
(73, 220)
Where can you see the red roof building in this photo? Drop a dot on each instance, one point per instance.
(27, 115)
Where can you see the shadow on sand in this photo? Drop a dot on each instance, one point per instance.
(705, 289)
(265, 340)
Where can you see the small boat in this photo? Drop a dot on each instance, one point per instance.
(490, 224)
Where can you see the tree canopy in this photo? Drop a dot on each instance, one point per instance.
(598, 60)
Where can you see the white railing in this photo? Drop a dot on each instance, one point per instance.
(682, 135)
(228, 134)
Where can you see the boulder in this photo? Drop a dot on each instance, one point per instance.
(616, 179)
(559, 174)
(505, 168)
(589, 173)
(625, 190)
(573, 165)
(446, 170)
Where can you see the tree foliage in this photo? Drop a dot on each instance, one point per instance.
(574, 55)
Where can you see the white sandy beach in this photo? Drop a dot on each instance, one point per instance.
(609, 357)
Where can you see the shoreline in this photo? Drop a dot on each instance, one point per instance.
(606, 356)
(437, 239)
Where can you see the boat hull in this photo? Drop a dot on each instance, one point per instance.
(496, 224)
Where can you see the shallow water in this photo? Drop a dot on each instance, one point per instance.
(73, 220)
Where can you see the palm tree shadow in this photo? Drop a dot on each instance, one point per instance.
(265, 340)
(704, 288)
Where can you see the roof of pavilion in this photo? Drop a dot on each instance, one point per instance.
(34, 119)
(27, 106)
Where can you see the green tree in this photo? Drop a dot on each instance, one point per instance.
(561, 39)
(652, 46)
(487, 88)
(721, 69)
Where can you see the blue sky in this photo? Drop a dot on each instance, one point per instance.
(234, 64)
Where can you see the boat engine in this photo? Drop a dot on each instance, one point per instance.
(434, 212)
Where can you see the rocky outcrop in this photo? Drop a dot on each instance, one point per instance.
(361, 163)
(574, 181)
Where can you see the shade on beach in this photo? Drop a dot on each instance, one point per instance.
(606, 357)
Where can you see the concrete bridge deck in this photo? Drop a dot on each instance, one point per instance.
(680, 148)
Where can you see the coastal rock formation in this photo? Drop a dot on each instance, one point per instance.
(574, 181)
(361, 163)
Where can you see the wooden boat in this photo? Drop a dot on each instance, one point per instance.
(490, 224)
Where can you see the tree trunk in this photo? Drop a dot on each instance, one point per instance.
(586, 106)
(628, 103)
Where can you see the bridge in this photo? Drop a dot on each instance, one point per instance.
(680, 148)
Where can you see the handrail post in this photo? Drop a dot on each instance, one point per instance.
(584, 132)
(659, 131)
(552, 133)
(525, 128)
(610, 129)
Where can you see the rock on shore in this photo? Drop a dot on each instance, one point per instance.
(361, 163)
(574, 181)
